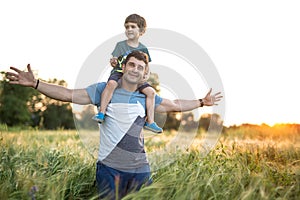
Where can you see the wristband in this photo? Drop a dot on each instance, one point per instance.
(201, 103)
(37, 84)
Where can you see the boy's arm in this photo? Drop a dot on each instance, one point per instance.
(116, 52)
(188, 105)
(78, 96)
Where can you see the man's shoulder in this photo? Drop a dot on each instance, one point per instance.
(96, 87)
(94, 92)
(134, 97)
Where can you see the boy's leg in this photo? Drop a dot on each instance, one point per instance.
(150, 103)
(106, 96)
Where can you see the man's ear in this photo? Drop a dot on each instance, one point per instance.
(123, 67)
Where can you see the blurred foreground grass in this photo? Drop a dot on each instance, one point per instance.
(56, 165)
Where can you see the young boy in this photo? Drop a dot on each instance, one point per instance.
(135, 26)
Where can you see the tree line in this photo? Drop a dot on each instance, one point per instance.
(24, 106)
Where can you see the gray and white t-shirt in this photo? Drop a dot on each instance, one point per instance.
(121, 137)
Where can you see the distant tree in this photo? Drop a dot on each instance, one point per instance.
(83, 118)
(210, 121)
(54, 114)
(188, 122)
(14, 103)
(55, 117)
(25, 106)
(172, 121)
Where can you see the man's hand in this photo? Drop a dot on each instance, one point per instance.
(21, 77)
(211, 100)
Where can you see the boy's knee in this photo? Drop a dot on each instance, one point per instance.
(111, 84)
(151, 92)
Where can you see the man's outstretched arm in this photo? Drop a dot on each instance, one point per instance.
(188, 105)
(78, 96)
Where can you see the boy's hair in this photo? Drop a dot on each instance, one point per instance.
(139, 20)
(139, 55)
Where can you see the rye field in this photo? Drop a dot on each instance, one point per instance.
(246, 163)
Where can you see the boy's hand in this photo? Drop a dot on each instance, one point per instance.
(113, 61)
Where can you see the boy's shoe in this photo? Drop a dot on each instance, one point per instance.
(153, 127)
(99, 117)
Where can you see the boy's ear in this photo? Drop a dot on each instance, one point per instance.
(142, 31)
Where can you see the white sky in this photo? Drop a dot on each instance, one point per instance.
(255, 45)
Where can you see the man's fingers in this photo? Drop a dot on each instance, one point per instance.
(29, 68)
(15, 69)
(209, 91)
(218, 95)
(11, 75)
(14, 82)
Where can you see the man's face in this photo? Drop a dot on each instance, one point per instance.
(132, 31)
(134, 70)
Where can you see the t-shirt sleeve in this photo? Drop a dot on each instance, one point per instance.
(117, 50)
(94, 91)
(144, 49)
(147, 52)
(158, 100)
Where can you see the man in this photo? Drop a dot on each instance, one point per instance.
(122, 162)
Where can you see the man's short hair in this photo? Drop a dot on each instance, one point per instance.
(139, 55)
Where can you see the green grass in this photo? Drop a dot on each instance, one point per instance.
(229, 172)
(58, 165)
(54, 162)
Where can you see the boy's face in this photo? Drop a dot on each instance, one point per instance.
(132, 31)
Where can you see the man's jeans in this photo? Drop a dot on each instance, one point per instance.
(115, 184)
